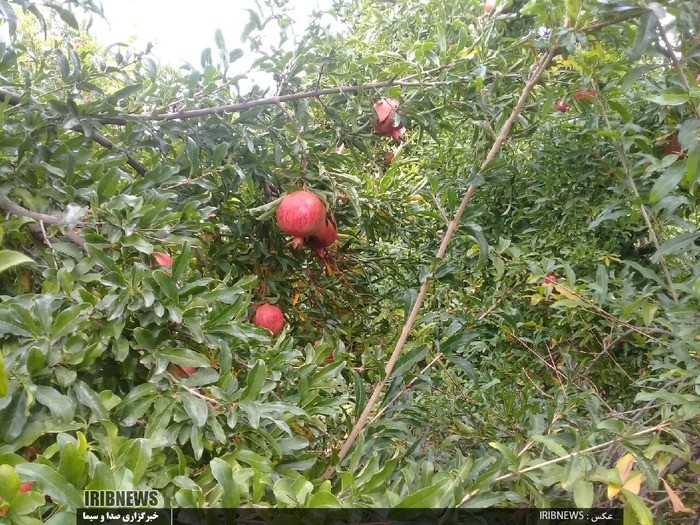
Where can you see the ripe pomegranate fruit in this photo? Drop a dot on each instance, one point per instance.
(563, 106)
(585, 95)
(269, 316)
(323, 239)
(182, 370)
(673, 146)
(550, 278)
(301, 214)
(385, 109)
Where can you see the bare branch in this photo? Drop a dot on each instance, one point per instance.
(15, 209)
(269, 101)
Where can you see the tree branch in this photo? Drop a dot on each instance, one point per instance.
(362, 420)
(269, 101)
(636, 13)
(15, 100)
(15, 209)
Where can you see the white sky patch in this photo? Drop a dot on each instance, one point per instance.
(181, 29)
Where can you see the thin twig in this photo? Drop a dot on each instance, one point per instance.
(440, 209)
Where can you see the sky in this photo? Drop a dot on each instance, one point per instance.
(181, 29)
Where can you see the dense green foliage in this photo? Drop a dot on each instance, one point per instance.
(555, 358)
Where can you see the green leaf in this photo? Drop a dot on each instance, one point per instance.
(61, 407)
(255, 381)
(52, 484)
(9, 16)
(552, 444)
(258, 462)
(669, 99)
(10, 259)
(219, 40)
(667, 182)
(360, 394)
(196, 408)
(223, 474)
(9, 481)
(192, 155)
(425, 498)
(181, 262)
(4, 385)
(66, 16)
(637, 504)
(71, 465)
(103, 259)
(324, 500)
(167, 286)
(89, 398)
(123, 93)
(145, 338)
(13, 417)
(676, 245)
(64, 323)
(135, 455)
(185, 356)
(583, 494)
(407, 360)
(646, 33)
(633, 75)
(235, 54)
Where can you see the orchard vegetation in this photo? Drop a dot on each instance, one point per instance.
(500, 310)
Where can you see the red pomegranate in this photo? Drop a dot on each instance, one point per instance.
(586, 95)
(563, 106)
(673, 146)
(269, 316)
(385, 109)
(323, 239)
(301, 214)
(550, 278)
(182, 370)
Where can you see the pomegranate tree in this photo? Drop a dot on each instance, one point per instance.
(301, 214)
(323, 239)
(269, 316)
